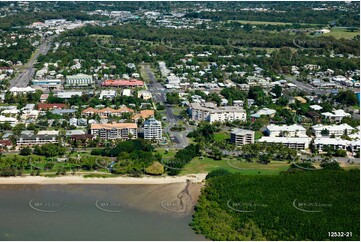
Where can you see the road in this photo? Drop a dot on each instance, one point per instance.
(26, 74)
(179, 139)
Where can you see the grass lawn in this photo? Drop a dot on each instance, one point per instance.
(258, 134)
(339, 33)
(233, 165)
(221, 136)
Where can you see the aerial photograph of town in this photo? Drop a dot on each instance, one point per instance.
(180, 120)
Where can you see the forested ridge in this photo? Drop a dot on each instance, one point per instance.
(332, 195)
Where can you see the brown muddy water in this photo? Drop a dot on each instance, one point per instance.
(98, 212)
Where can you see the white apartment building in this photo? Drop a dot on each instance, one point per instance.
(242, 136)
(300, 143)
(152, 129)
(336, 115)
(42, 137)
(333, 143)
(115, 130)
(286, 130)
(79, 80)
(336, 130)
(11, 121)
(210, 112)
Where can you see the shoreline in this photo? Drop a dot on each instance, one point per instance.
(64, 180)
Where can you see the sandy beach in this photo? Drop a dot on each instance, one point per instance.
(114, 180)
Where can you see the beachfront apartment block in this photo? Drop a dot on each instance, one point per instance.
(210, 112)
(242, 136)
(152, 129)
(79, 80)
(336, 130)
(115, 130)
(29, 138)
(294, 130)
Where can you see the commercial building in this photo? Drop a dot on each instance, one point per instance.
(23, 90)
(144, 94)
(47, 83)
(286, 130)
(67, 95)
(152, 129)
(290, 142)
(336, 130)
(110, 94)
(79, 80)
(115, 130)
(211, 113)
(28, 137)
(242, 136)
(123, 83)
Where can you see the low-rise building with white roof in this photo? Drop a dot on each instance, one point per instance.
(300, 143)
(294, 130)
(336, 130)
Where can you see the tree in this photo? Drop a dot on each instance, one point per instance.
(25, 151)
(172, 98)
(325, 132)
(155, 169)
(277, 90)
(347, 97)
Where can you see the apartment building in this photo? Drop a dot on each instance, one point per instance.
(333, 143)
(106, 112)
(242, 136)
(28, 137)
(294, 130)
(336, 130)
(211, 113)
(299, 143)
(115, 130)
(152, 129)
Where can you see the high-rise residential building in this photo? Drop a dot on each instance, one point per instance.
(152, 129)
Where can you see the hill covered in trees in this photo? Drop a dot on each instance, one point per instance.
(290, 206)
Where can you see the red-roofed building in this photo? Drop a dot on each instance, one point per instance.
(48, 106)
(123, 83)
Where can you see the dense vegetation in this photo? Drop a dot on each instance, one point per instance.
(274, 201)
